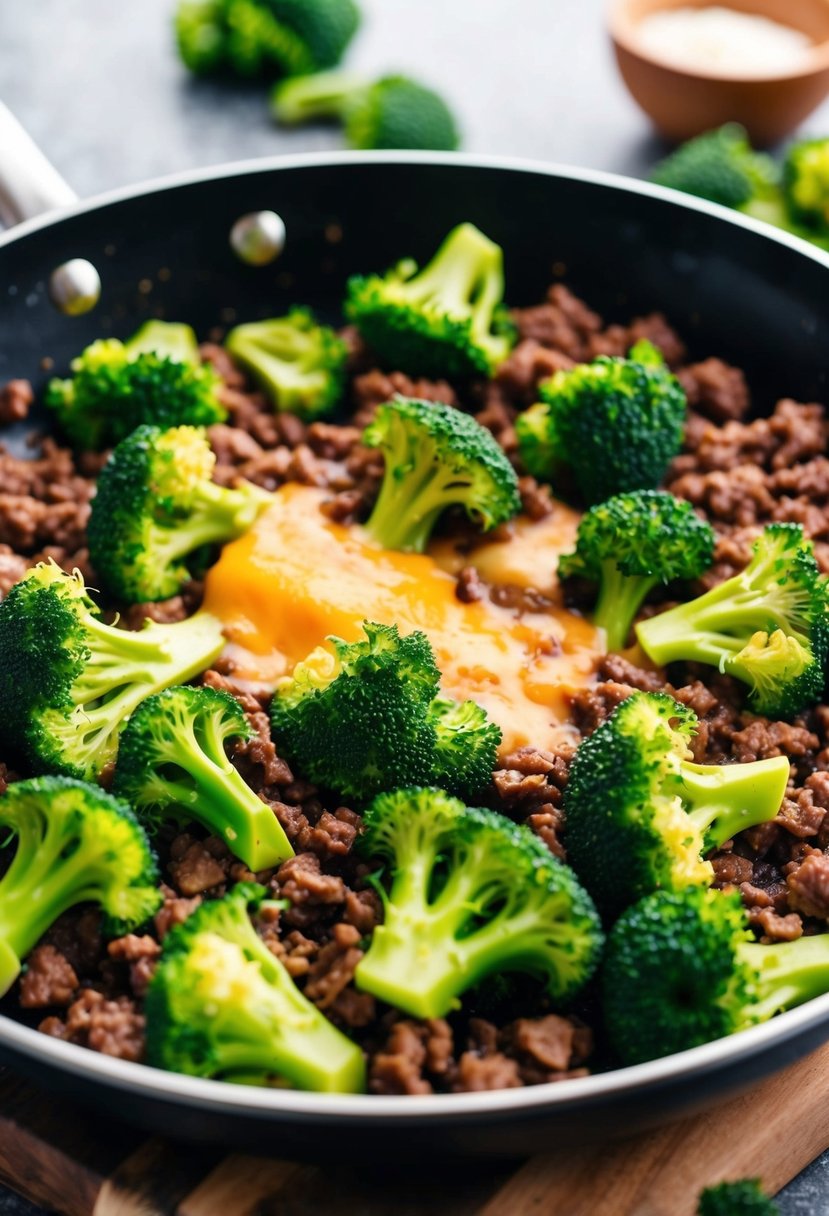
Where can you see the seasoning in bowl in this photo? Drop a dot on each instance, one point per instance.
(724, 41)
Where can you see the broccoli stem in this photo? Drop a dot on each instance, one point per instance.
(411, 498)
(323, 95)
(467, 267)
(724, 799)
(789, 973)
(167, 339)
(620, 598)
(215, 515)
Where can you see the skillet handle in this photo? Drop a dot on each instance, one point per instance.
(29, 184)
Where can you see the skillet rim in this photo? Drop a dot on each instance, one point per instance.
(220, 1096)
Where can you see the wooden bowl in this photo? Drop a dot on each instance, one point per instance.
(685, 102)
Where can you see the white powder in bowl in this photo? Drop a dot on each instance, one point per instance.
(723, 41)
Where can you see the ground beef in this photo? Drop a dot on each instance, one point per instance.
(16, 397)
(49, 979)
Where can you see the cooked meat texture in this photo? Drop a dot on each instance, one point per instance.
(741, 473)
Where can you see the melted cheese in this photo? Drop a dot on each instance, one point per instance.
(297, 577)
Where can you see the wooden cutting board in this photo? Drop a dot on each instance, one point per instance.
(65, 1159)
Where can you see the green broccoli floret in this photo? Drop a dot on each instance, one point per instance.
(614, 424)
(628, 545)
(766, 626)
(264, 37)
(156, 506)
(721, 166)
(806, 184)
(156, 378)
(367, 717)
(743, 1198)
(640, 814)
(172, 764)
(75, 844)
(68, 682)
(445, 320)
(471, 894)
(222, 1005)
(681, 968)
(300, 365)
(436, 457)
(394, 112)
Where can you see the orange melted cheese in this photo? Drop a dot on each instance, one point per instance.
(297, 577)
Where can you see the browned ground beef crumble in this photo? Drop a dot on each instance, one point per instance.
(740, 474)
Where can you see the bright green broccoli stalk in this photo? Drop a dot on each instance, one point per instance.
(766, 626)
(155, 378)
(806, 184)
(631, 543)
(156, 506)
(681, 969)
(721, 166)
(264, 37)
(435, 457)
(222, 1005)
(300, 365)
(743, 1198)
(75, 844)
(394, 112)
(68, 682)
(471, 894)
(445, 320)
(172, 764)
(368, 717)
(640, 814)
(614, 424)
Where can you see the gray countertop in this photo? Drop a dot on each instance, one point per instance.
(98, 85)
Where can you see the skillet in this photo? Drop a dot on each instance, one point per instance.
(731, 286)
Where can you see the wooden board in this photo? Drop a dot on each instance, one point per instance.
(64, 1159)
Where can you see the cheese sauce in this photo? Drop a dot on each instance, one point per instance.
(297, 577)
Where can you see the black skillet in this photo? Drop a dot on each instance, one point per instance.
(730, 286)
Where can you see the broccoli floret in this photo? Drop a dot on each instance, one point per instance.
(614, 424)
(628, 545)
(394, 112)
(766, 626)
(367, 717)
(681, 968)
(721, 166)
(435, 457)
(300, 365)
(806, 184)
(264, 37)
(68, 682)
(156, 506)
(172, 764)
(156, 377)
(75, 844)
(222, 1005)
(640, 814)
(445, 320)
(471, 894)
(743, 1198)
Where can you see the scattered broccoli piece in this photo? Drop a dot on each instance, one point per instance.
(264, 37)
(156, 506)
(172, 764)
(681, 969)
(640, 814)
(68, 682)
(155, 377)
(222, 1005)
(471, 894)
(436, 457)
(806, 184)
(766, 626)
(75, 844)
(721, 166)
(300, 365)
(445, 320)
(743, 1198)
(628, 545)
(367, 718)
(394, 112)
(614, 424)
